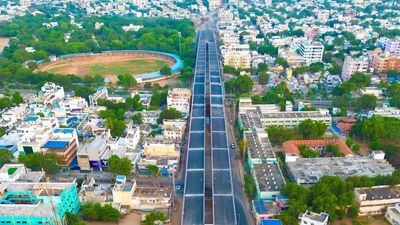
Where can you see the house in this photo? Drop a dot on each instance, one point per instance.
(393, 214)
(373, 200)
(314, 218)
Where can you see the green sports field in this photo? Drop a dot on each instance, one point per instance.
(139, 66)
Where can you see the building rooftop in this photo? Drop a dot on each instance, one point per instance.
(259, 147)
(310, 170)
(380, 192)
(269, 177)
(318, 217)
(65, 130)
(152, 192)
(271, 222)
(34, 210)
(292, 146)
(56, 144)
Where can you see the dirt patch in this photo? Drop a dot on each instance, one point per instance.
(108, 64)
(375, 220)
(130, 219)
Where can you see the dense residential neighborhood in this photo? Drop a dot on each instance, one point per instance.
(264, 112)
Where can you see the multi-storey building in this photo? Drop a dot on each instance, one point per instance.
(390, 45)
(311, 51)
(101, 93)
(237, 56)
(373, 200)
(352, 65)
(382, 61)
(179, 98)
(37, 203)
(64, 143)
(393, 214)
(51, 93)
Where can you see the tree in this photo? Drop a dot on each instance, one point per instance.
(170, 113)
(126, 80)
(365, 103)
(137, 118)
(240, 85)
(2, 131)
(377, 128)
(279, 134)
(281, 62)
(262, 67)
(83, 91)
(5, 102)
(264, 77)
(333, 150)
(335, 69)
(72, 219)
(316, 67)
(307, 152)
(268, 49)
(96, 212)
(17, 98)
(154, 216)
(360, 80)
(242, 144)
(154, 170)
(117, 127)
(36, 161)
(166, 71)
(312, 129)
(119, 166)
(231, 70)
(5, 156)
(244, 84)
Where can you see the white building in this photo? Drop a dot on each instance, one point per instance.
(132, 137)
(352, 65)
(51, 93)
(393, 214)
(238, 56)
(179, 98)
(311, 51)
(174, 129)
(390, 45)
(323, 16)
(101, 93)
(314, 218)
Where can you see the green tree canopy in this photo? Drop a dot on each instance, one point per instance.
(17, 98)
(170, 113)
(96, 212)
(37, 161)
(126, 80)
(365, 103)
(154, 216)
(310, 129)
(5, 156)
(307, 152)
(120, 166)
(166, 71)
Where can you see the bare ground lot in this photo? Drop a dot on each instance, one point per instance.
(107, 65)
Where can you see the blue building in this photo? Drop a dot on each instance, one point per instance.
(37, 203)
